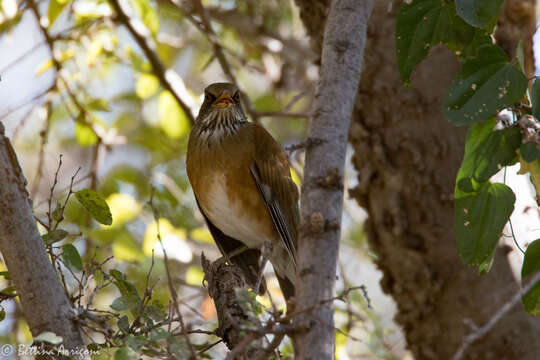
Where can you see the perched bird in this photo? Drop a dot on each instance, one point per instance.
(242, 182)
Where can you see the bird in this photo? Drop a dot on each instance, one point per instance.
(242, 183)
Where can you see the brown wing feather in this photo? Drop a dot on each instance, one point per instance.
(272, 175)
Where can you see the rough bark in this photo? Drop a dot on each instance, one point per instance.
(407, 156)
(322, 189)
(43, 299)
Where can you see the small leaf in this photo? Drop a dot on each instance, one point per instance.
(483, 86)
(529, 151)
(98, 105)
(479, 13)
(85, 135)
(54, 236)
(55, 8)
(172, 118)
(159, 334)
(49, 337)
(122, 354)
(71, 257)
(95, 205)
(135, 342)
(531, 264)
(535, 98)
(146, 85)
(124, 303)
(479, 219)
(123, 324)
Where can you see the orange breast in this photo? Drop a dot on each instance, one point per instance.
(226, 191)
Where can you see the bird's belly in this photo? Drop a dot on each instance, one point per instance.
(238, 215)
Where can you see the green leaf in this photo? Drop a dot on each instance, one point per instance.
(535, 98)
(5, 274)
(98, 104)
(146, 85)
(422, 24)
(122, 354)
(529, 152)
(55, 8)
(148, 15)
(54, 236)
(124, 286)
(172, 118)
(71, 257)
(531, 264)
(479, 219)
(95, 205)
(123, 324)
(159, 334)
(85, 135)
(135, 342)
(125, 303)
(483, 87)
(479, 13)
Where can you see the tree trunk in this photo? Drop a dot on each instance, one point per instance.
(43, 299)
(407, 156)
(322, 190)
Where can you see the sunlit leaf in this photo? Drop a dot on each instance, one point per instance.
(172, 118)
(85, 135)
(194, 275)
(123, 208)
(95, 205)
(146, 85)
(202, 234)
(125, 247)
(55, 8)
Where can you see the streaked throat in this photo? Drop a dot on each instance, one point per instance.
(220, 123)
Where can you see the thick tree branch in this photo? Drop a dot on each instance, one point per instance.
(43, 300)
(322, 191)
(167, 77)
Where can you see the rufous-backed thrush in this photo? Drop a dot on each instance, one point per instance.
(242, 183)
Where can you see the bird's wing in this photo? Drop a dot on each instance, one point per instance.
(247, 259)
(270, 170)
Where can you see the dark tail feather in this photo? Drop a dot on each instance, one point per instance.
(288, 290)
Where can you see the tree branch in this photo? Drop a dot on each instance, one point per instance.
(322, 191)
(43, 299)
(168, 78)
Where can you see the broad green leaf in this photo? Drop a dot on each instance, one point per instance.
(531, 264)
(483, 86)
(479, 219)
(146, 85)
(529, 152)
(55, 8)
(54, 236)
(49, 337)
(535, 98)
(125, 303)
(422, 24)
(125, 287)
(172, 118)
(416, 33)
(85, 135)
(95, 205)
(479, 13)
(71, 257)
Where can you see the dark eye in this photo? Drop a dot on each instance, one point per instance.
(236, 96)
(209, 97)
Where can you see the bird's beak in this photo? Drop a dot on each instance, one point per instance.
(223, 101)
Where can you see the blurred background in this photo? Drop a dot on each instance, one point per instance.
(108, 109)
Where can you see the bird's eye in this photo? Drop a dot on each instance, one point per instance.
(236, 96)
(209, 97)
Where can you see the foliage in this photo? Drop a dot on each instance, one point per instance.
(112, 111)
(486, 84)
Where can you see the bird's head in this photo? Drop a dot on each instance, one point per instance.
(221, 109)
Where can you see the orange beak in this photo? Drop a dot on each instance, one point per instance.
(223, 101)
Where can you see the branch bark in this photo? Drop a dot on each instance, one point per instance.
(322, 190)
(44, 303)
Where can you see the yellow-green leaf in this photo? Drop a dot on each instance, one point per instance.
(172, 118)
(84, 135)
(146, 86)
(95, 205)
